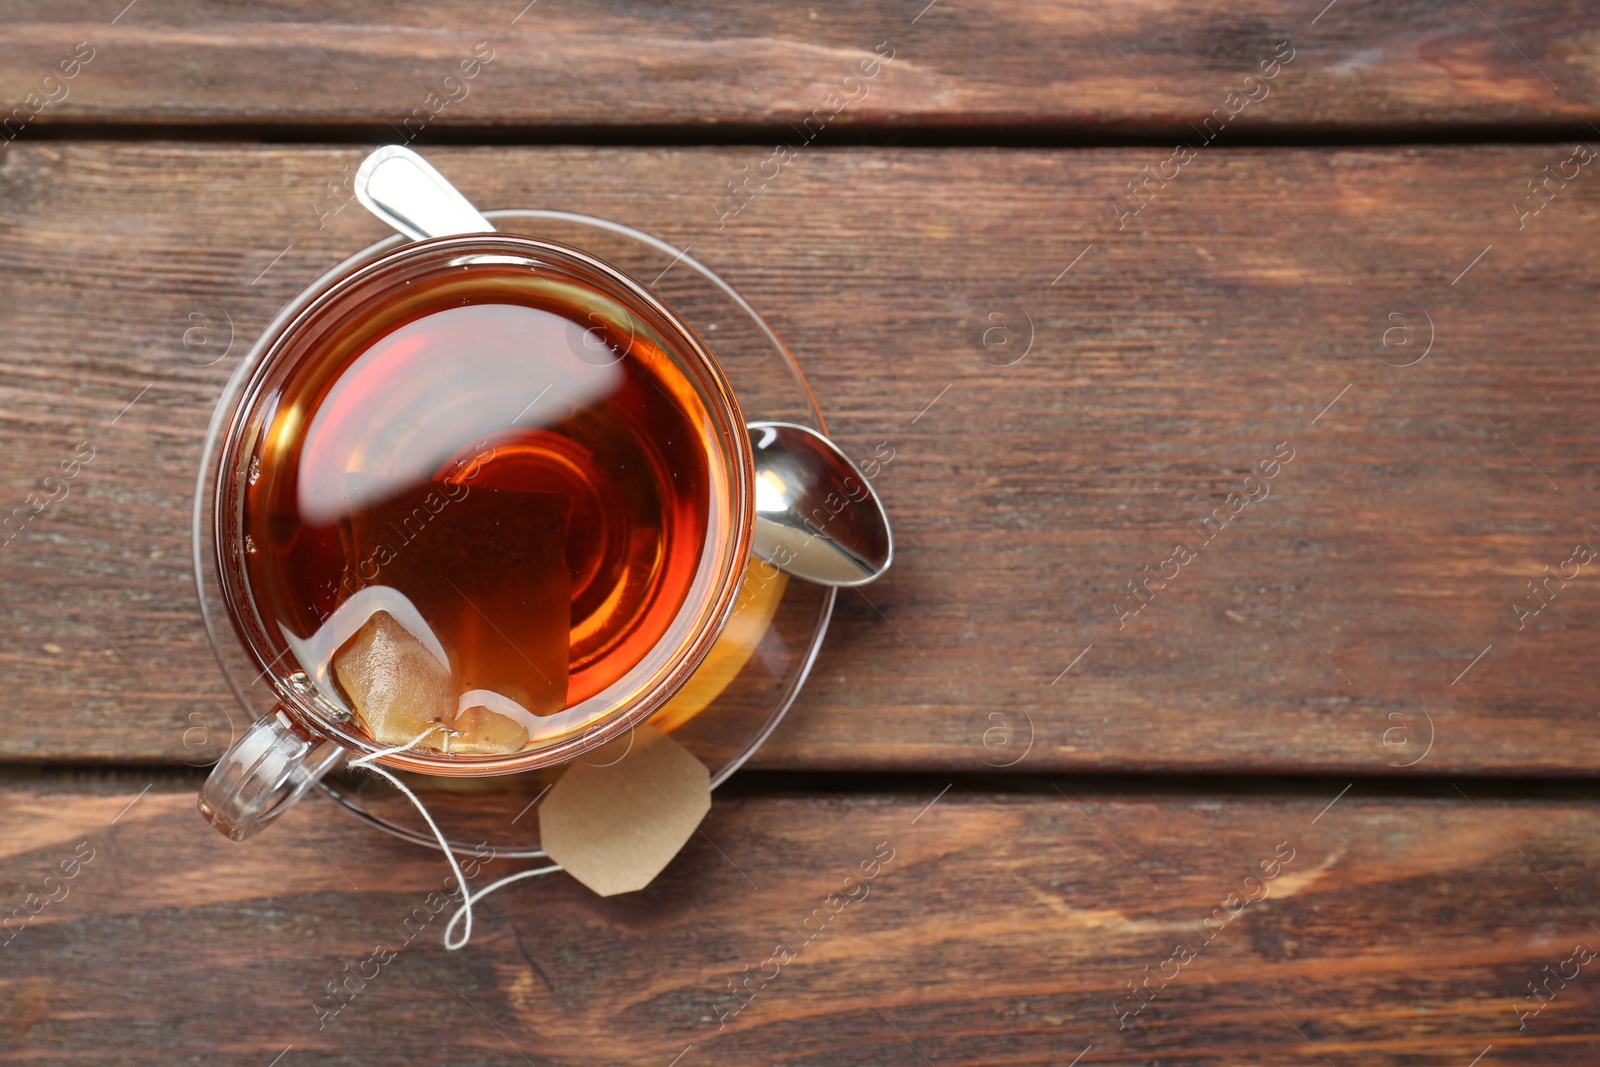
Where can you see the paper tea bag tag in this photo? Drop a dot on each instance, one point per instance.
(620, 813)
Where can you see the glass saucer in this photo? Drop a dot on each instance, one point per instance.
(752, 674)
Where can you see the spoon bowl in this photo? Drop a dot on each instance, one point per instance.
(817, 516)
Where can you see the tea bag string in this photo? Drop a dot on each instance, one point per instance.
(466, 906)
(468, 898)
(444, 845)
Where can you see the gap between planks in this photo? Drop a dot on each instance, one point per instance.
(938, 134)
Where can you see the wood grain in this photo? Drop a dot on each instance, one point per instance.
(1361, 618)
(1141, 69)
(1003, 930)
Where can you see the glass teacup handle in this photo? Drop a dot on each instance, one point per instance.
(267, 770)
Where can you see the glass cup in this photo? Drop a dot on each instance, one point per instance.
(312, 729)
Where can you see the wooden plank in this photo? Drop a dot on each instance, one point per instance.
(1115, 70)
(1363, 617)
(993, 930)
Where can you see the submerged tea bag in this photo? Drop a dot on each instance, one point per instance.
(482, 732)
(620, 813)
(484, 571)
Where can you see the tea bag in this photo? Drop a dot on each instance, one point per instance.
(620, 813)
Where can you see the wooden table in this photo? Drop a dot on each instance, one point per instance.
(1322, 790)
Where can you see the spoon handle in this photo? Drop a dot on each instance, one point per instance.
(403, 189)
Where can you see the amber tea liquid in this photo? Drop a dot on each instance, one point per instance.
(505, 449)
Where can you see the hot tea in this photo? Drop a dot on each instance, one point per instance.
(479, 510)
